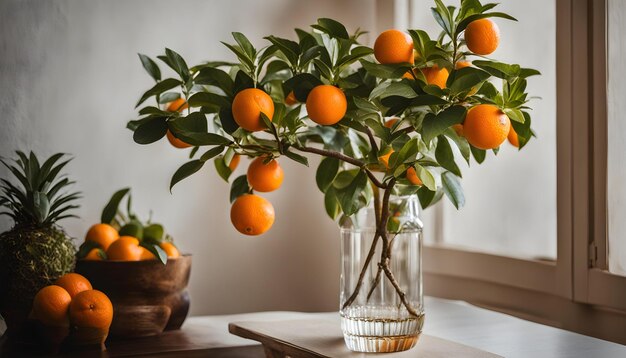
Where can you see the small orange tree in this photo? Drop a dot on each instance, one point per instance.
(435, 97)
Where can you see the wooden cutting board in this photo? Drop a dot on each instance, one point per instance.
(323, 338)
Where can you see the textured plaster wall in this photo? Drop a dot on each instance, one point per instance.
(69, 79)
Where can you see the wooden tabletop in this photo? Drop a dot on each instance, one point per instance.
(450, 320)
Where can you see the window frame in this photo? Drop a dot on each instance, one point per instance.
(575, 291)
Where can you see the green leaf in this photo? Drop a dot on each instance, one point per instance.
(435, 125)
(289, 48)
(331, 204)
(348, 196)
(326, 173)
(41, 206)
(479, 154)
(498, 69)
(134, 229)
(245, 44)
(206, 99)
(426, 177)
(385, 71)
(215, 77)
(222, 168)
(227, 120)
(302, 84)
(464, 79)
(211, 153)
(445, 156)
(452, 189)
(297, 157)
(239, 187)
(154, 232)
(150, 131)
(426, 196)
(165, 85)
(111, 208)
(177, 63)
(186, 170)
(332, 28)
(151, 67)
(514, 114)
(156, 250)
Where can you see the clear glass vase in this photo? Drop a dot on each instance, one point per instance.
(384, 312)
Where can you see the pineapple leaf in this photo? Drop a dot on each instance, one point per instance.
(47, 166)
(41, 207)
(55, 171)
(58, 186)
(64, 199)
(33, 171)
(16, 172)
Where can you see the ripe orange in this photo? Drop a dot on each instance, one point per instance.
(436, 76)
(291, 99)
(458, 128)
(391, 121)
(126, 248)
(394, 46)
(146, 255)
(73, 283)
(175, 141)
(171, 250)
(326, 104)
(234, 162)
(482, 36)
(94, 255)
(265, 177)
(177, 105)
(248, 106)
(252, 214)
(102, 234)
(51, 305)
(513, 138)
(463, 64)
(385, 159)
(486, 126)
(91, 308)
(411, 175)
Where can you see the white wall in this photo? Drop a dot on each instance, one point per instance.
(69, 79)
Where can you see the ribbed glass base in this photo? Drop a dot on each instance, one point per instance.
(381, 335)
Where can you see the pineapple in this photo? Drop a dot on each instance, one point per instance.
(36, 251)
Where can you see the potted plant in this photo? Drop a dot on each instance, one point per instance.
(138, 266)
(35, 251)
(385, 120)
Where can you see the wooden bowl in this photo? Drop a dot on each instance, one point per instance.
(148, 297)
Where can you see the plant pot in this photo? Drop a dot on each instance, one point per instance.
(385, 313)
(148, 297)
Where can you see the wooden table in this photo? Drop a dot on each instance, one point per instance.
(494, 332)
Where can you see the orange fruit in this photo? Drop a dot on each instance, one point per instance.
(462, 64)
(177, 105)
(486, 126)
(252, 214)
(248, 106)
(175, 141)
(91, 308)
(126, 248)
(385, 159)
(390, 123)
(482, 36)
(102, 234)
(513, 138)
(171, 250)
(394, 46)
(291, 99)
(435, 76)
(326, 104)
(265, 177)
(458, 128)
(73, 283)
(51, 305)
(146, 255)
(94, 255)
(234, 162)
(411, 175)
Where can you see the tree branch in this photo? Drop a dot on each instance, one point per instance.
(332, 154)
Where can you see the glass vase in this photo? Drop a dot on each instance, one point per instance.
(381, 299)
